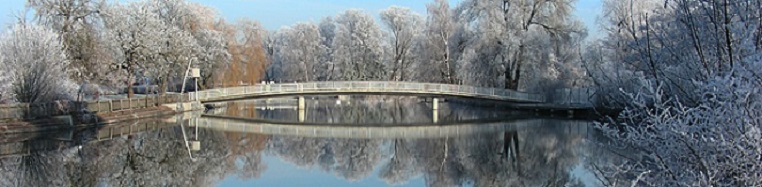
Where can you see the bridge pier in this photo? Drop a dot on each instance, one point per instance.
(301, 116)
(435, 110)
(302, 109)
(435, 104)
(435, 116)
(301, 103)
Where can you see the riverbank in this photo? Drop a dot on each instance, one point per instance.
(83, 120)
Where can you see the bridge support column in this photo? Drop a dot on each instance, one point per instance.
(435, 104)
(302, 109)
(435, 116)
(435, 110)
(301, 103)
(301, 116)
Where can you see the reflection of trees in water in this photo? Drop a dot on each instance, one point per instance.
(607, 160)
(156, 158)
(244, 146)
(355, 159)
(544, 157)
(351, 159)
(528, 156)
(402, 165)
(541, 156)
(40, 167)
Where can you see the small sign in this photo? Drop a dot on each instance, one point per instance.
(195, 73)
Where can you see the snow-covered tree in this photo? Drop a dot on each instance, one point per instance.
(159, 39)
(357, 47)
(677, 42)
(136, 35)
(270, 43)
(190, 38)
(404, 27)
(440, 25)
(34, 65)
(326, 68)
(300, 51)
(79, 24)
(716, 143)
(687, 73)
(511, 37)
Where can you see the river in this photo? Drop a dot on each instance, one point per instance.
(370, 141)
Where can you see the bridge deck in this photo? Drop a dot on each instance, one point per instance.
(366, 87)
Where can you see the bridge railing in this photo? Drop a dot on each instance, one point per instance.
(367, 87)
(63, 107)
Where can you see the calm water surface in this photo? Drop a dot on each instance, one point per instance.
(357, 142)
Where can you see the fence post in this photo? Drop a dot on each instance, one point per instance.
(110, 106)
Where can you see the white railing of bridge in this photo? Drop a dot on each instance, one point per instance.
(367, 87)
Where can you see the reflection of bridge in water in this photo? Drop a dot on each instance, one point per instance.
(380, 131)
(315, 130)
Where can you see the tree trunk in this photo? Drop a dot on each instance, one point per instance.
(130, 92)
(513, 70)
(163, 86)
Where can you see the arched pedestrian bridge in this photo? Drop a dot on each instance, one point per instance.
(366, 87)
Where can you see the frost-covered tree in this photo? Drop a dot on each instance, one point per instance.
(79, 24)
(404, 27)
(440, 26)
(136, 35)
(300, 51)
(160, 39)
(716, 143)
(511, 38)
(193, 25)
(357, 47)
(270, 43)
(34, 65)
(213, 54)
(674, 43)
(326, 68)
(687, 74)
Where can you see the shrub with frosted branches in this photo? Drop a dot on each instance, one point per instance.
(716, 143)
(33, 64)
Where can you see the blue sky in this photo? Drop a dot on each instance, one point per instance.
(274, 14)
